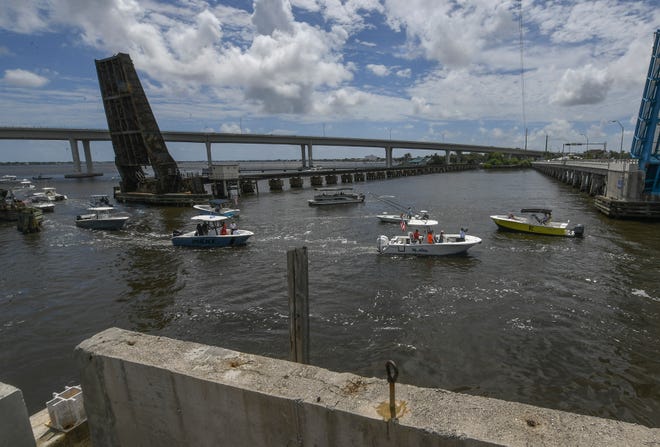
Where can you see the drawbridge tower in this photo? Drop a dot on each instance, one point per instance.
(646, 141)
(136, 138)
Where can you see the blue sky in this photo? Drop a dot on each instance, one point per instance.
(416, 69)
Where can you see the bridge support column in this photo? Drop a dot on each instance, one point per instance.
(88, 157)
(309, 155)
(77, 171)
(303, 156)
(388, 156)
(447, 157)
(74, 153)
(208, 155)
(459, 156)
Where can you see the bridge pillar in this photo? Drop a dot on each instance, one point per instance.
(74, 153)
(447, 157)
(459, 156)
(309, 155)
(88, 156)
(388, 156)
(208, 155)
(302, 156)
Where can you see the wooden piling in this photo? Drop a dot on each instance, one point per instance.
(298, 282)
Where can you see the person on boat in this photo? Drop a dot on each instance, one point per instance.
(429, 237)
(233, 227)
(205, 228)
(416, 236)
(223, 230)
(409, 213)
(199, 231)
(441, 238)
(461, 235)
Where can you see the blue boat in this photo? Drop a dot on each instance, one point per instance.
(211, 231)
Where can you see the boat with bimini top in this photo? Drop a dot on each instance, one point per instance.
(211, 231)
(528, 221)
(101, 218)
(431, 244)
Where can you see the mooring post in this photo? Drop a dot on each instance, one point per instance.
(297, 278)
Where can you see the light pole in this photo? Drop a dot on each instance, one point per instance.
(621, 145)
(585, 136)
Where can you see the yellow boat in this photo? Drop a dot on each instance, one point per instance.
(530, 222)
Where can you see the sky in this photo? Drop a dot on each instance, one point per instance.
(504, 73)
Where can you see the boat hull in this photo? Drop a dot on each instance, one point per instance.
(210, 210)
(524, 225)
(189, 239)
(392, 218)
(92, 223)
(344, 200)
(401, 245)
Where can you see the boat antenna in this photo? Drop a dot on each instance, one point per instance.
(522, 69)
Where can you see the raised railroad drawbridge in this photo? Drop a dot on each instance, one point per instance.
(136, 138)
(646, 141)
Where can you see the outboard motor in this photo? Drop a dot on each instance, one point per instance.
(177, 233)
(578, 230)
(382, 243)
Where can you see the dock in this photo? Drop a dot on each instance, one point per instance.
(617, 186)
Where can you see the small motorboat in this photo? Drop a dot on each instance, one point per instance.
(46, 206)
(528, 221)
(397, 218)
(335, 196)
(219, 209)
(211, 231)
(101, 218)
(41, 177)
(52, 194)
(431, 244)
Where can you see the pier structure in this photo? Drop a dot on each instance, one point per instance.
(248, 183)
(616, 185)
(146, 390)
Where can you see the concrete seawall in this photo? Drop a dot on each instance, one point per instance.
(153, 391)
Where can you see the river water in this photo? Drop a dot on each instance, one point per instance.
(570, 324)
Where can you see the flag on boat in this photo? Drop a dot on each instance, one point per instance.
(403, 225)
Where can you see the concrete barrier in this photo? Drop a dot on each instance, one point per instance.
(153, 391)
(15, 428)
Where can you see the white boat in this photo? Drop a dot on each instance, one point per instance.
(335, 196)
(45, 206)
(101, 218)
(53, 195)
(211, 231)
(218, 210)
(529, 222)
(397, 218)
(430, 244)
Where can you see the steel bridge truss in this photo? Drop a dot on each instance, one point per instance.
(136, 138)
(645, 144)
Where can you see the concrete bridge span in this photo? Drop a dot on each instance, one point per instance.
(306, 143)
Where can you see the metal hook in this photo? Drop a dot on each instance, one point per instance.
(392, 374)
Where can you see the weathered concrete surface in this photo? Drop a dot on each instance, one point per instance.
(15, 430)
(49, 437)
(153, 391)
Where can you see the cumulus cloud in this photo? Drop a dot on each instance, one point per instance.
(404, 73)
(24, 78)
(420, 106)
(587, 85)
(272, 15)
(378, 69)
